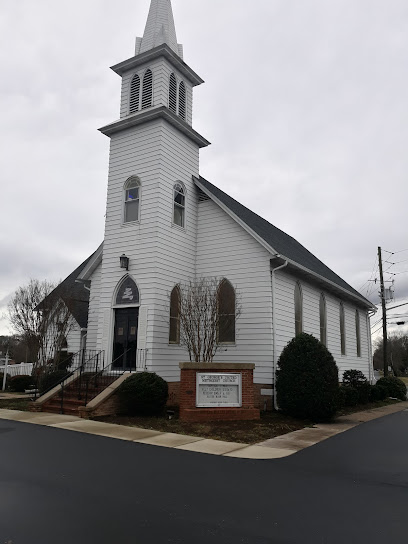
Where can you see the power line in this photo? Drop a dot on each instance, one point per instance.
(395, 252)
(371, 276)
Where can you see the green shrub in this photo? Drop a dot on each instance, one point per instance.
(364, 393)
(378, 392)
(51, 379)
(63, 360)
(354, 378)
(396, 388)
(1, 380)
(20, 383)
(143, 393)
(307, 382)
(348, 396)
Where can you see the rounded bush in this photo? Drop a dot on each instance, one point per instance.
(307, 382)
(348, 396)
(20, 383)
(364, 393)
(378, 392)
(143, 393)
(7, 380)
(396, 388)
(354, 378)
(50, 380)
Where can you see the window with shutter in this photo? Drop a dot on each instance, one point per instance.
(182, 100)
(226, 312)
(173, 94)
(134, 94)
(147, 91)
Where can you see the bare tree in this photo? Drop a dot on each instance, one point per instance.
(41, 318)
(207, 317)
(397, 353)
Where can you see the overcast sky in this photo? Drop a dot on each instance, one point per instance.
(305, 103)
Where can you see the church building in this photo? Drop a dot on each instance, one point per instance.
(166, 225)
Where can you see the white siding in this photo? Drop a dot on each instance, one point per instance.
(160, 253)
(74, 337)
(93, 309)
(285, 322)
(224, 249)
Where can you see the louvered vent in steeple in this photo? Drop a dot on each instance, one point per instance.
(147, 89)
(182, 100)
(134, 94)
(173, 94)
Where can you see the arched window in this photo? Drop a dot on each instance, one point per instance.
(128, 293)
(298, 309)
(134, 94)
(182, 100)
(342, 330)
(132, 199)
(358, 334)
(147, 92)
(173, 94)
(323, 320)
(179, 203)
(226, 313)
(174, 330)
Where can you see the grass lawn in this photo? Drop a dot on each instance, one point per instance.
(405, 380)
(15, 404)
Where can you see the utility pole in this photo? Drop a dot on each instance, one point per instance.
(384, 313)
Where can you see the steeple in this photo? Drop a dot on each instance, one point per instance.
(159, 29)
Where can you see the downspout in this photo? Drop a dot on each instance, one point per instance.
(370, 347)
(275, 358)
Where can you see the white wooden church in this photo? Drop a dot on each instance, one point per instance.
(166, 225)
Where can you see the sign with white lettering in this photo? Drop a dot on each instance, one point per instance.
(219, 389)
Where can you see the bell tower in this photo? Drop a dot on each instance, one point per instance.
(151, 213)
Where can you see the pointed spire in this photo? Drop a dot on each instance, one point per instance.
(159, 29)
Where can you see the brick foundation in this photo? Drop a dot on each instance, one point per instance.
(187, 394)
(174, 394)
(259, 400)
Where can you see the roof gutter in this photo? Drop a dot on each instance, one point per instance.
(275, 355)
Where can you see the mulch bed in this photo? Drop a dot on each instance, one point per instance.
(270, 425)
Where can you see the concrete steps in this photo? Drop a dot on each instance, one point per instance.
(71, 402)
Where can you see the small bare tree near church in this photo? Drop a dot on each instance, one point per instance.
(208, 310)
(41, 319)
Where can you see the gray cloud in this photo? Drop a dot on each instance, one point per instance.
(304, 102)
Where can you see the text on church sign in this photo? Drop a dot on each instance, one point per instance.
(218, 389)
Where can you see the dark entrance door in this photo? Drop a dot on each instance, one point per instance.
(125, 339)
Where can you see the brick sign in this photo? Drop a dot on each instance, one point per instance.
(218, 390)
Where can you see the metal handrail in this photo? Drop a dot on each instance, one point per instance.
(105, 371)
(50, 370)
(83, 367)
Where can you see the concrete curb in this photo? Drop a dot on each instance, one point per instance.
(274, 448)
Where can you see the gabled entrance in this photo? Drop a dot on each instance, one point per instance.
(125, 339)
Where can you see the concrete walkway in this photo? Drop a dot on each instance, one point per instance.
(274, 448)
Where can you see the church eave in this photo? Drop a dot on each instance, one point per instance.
(152, 114)
(296, 267)
(162, 50)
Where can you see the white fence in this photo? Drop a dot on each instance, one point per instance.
(23, 369)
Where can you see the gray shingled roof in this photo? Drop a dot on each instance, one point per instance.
(74, 294)
(284, 244)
